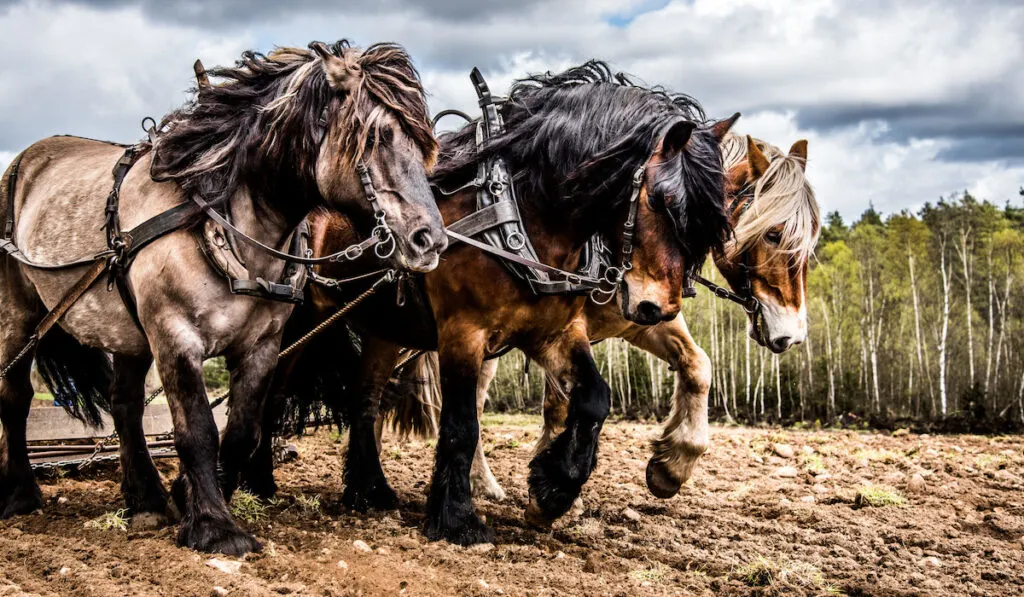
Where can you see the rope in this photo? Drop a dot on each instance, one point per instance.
(24, 351)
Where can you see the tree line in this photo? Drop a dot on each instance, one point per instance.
(914, 315)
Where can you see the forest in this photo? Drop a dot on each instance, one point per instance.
(912, 315)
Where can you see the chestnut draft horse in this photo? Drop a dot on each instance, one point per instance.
(287, 132)
(775, 220)
(574, 144)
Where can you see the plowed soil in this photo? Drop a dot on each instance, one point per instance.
(753, 520)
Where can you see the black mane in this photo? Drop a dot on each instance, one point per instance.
(574, 140)
(261, 126)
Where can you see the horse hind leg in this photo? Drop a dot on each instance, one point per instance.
(19, 492)
(141, 485)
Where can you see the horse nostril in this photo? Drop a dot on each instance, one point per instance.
(781, 343)
(421, 240)
(648, 312)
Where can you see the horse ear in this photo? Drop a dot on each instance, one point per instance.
(758, 162)
(799, 151)
(201, 79)
(342, 74)
(722, 127)
(676, 137)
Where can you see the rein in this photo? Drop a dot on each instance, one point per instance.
(745, 297)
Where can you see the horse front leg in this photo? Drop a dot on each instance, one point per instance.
(684, 437)
(206, 524)
(365, 484)
(480, 477)
(251, 376)
(141, 485)
(559, 470)
(450, 513)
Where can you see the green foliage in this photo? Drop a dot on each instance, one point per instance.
(246, 506)
(878, 496)
(878, 293)
(215, 374)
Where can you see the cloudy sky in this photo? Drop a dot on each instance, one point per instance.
(902, 102)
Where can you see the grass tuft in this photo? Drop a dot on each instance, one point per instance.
(111, 521)
(309, 504)
(245, 506)
(784, 577)
(878, 496)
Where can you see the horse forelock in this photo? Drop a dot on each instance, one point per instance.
(782, 197)
(265, 118)
(701, 220)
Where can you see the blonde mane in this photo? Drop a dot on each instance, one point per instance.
(782, 196)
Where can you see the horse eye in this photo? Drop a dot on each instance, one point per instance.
(774, 237)
(657, 202)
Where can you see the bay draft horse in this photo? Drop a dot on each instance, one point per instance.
(281, 136)
(573, 143)
(775, 221)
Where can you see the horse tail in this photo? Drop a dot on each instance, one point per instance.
(79, 376)
(314, 388)
(414, 397)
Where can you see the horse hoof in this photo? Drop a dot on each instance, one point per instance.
(378, 497)
(535, 516)
(660, 481)
(217, 536)
(263, 488)
(465, 530)
(25, 499)
(148, 521)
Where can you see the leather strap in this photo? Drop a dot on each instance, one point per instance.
(268, 290)
(583, 282)
(485, 218)
(12, 182)
(71, 296)
(179, 216)
(351, 253)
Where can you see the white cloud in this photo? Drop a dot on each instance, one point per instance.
(882, 91)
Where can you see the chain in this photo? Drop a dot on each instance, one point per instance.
(24, 351)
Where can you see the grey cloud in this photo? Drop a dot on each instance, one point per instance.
(215, 14)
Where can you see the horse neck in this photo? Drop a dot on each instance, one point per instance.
(558, 242)
(265, 223)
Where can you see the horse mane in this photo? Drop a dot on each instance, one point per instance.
(781, 196)
(262, 125)
(574, 139)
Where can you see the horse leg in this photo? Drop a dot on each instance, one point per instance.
(143, 490)
(257, 475)
(684, 438)
(19, 492)
(365, 484)
(250, 381)
(206, 524)
(556, 410)
(450, 513)
(480, 475)
(558, 472)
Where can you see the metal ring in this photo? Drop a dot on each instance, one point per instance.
(515, 241)
(386, 248)
(496, 188)
(613, 275)
(145, 128)
(597, 292)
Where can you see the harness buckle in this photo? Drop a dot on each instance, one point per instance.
(515, 241)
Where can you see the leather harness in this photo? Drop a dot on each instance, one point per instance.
(496, 226)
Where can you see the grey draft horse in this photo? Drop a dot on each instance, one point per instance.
(280, 137)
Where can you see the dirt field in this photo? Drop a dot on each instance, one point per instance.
(741, 526)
